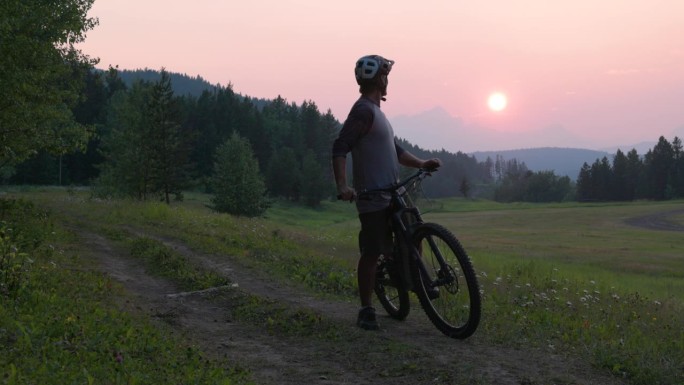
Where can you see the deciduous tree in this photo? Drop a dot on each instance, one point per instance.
(37, 58)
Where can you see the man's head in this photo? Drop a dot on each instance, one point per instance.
(371, 73)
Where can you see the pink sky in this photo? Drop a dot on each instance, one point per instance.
(610, 71)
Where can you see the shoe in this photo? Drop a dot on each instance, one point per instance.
(432, 292)
(366, 319)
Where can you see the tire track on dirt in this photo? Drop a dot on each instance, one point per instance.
(470, 361)
(657, 221)
(402, 353)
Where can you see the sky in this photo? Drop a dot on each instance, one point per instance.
(600, 73)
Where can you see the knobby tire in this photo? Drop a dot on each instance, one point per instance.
(456, 311)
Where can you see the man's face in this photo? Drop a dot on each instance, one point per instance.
(384, 81)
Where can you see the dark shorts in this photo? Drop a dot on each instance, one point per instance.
(375, 237)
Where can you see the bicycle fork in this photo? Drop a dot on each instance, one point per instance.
(445, 275)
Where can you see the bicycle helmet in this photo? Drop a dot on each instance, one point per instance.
(371, 68)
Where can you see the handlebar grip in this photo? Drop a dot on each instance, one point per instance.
(339, 197)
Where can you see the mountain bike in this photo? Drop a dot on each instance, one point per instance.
(428, 260)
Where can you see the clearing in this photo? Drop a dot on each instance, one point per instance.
(407, 352)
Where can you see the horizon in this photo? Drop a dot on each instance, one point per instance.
(593, 75)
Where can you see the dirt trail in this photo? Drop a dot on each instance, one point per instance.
(658, 221)
(426, 356)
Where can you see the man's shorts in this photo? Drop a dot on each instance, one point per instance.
(375, 237)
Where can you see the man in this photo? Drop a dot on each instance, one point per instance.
(376, 156)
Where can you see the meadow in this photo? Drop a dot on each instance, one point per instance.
(571, 278)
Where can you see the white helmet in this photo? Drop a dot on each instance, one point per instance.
(371, 68)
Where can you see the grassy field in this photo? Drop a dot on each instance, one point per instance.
(566, 277)
(61, 323)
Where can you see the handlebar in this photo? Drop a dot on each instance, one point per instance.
(422, 173)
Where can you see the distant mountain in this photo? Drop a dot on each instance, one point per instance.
(562, 161)
(435, 129)
(552, 148)
(642, 148)
(182, 84)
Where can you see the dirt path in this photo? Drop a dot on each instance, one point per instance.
(409, 352)
(658, 221)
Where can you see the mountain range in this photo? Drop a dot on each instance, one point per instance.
(550, 149)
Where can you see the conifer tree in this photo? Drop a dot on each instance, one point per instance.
(314, 185)
(169, 162)
(238, 186)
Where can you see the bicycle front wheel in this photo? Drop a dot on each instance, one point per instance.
(447, 287)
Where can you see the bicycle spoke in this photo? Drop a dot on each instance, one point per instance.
(447, 269)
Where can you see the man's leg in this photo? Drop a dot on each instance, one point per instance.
(374, 240)
(366, 277)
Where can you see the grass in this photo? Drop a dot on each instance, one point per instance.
(561, 277)
(60, 324)
(162, 261)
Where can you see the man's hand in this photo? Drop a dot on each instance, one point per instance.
(431, 164)
(346, 193)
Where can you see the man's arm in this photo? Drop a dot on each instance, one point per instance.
(340, 170)
(409, 160)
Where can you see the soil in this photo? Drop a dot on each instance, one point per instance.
(420, 354)
(658, 221)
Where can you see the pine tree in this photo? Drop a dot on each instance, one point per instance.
(658, 163)
(313, 184)
(169, 161)
(238, 187)
(126, 168)
(584, 187)
(284, 177)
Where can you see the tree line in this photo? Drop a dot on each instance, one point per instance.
(147, 142)
(658, 175)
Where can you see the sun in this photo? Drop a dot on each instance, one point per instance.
(497, 101)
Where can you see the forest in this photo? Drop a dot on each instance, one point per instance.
(149, 139)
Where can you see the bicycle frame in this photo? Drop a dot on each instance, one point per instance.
(404, 232)
(430, 261)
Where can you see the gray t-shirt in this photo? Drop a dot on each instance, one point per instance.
(375, 154)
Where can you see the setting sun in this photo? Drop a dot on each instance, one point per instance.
(497, 101)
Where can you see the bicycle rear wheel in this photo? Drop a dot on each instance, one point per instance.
(391, 293)
(456, 305)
